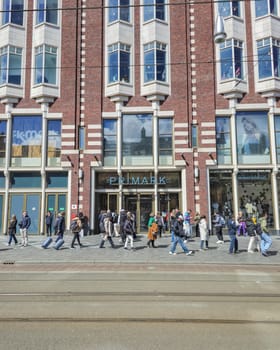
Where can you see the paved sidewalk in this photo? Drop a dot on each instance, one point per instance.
(91, 253)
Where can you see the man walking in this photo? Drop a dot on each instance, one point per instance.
(24, 226)
(179, 235)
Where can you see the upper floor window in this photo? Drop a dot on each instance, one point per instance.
(45, 64)
(265, 7)
(137, 146)
(119, 63)
(110, 141)
(154, 9)
(47, 11)
(154, 61)
(26, 141)
(229, 8)
(3, 135)
(277, 136)
(54, 142)
(231, 52)
(10, 65)
(223, 140)
(268, 57)
(165, 137)
(194, 135)
(12, 12)
(119, 10)
(253, 145)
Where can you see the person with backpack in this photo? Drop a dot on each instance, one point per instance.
(232, 228)
(12, 230)
(108, 226)
(219, 222)
(60, 226)
(76, 227)
(253, 237)
(179, 235)
(128, 230)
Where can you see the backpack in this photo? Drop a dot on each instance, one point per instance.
(74, 226)
(222, 221)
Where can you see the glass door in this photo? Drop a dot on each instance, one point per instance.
(56, 203)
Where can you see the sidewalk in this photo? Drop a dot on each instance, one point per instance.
(91, 253)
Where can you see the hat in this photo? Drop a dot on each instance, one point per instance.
(180, 217)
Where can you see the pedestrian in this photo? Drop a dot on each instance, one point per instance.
(76, 227)
(242, 227)
(266, 240)
(160, 223)
(107, 235)
(24, 225)
(218, 224)
(49, 221)
(60, 226)
(254, 242)
(172, 218)
(232, 228)
(197, 222)
(12, 230)
(121, 221)
(82, 223)
(152, 231)
(187, 224)
(204, 232)
(179, 234)
(129, 231)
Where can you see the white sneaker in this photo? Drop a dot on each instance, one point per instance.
(189, 253)
(172, 253)
(251, 251)
(185, 241)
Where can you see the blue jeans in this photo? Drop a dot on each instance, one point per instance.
(266, 242)
(172, 236)
(179, 240)
(233, 246)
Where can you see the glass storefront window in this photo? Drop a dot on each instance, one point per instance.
(58, 180)
(3, 134)
(221, 192)
(137, 146)
(54, 142)
(26, 141)
(223, 140)
(26, 180)
(165, 151)
(253, 145)
(255, 194)
(110, 142)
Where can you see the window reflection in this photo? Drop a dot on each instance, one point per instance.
(223, 140)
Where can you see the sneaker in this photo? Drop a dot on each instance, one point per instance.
(251, 251)
(185, 241)
(125, 248)
(265, 254)
(72, 247)
(170, 253)
(189, 253)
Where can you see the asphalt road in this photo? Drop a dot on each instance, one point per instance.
(140, 306)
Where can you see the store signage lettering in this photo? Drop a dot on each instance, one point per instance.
(137, 180)
(27, 137)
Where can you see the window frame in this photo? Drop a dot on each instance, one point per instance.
(223, 148)
(227, 9)
(7, 54)
(119, 72)
(154, 10)
(268, 45)
(164, 152)
(236, 49)
(152, 56)
(110, 154)
(44, 12)
(119, 10)
(11, 14)
(42, 53)
(264, 8)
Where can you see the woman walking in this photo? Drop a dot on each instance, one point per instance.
(12, 230)
(204, 232)
(152, 231)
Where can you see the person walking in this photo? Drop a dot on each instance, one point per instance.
(218, 224)
(204, 232)
(232, 228)
(60, 226)
(12, 229)
(266, 240)
(152, 231)
(24, 226)
(160, 223)
(121, 221)
(179, 235)
(129, 231)
(108, 226)
(253, 237)
(49, 221)
(196, 223)
(76, 227)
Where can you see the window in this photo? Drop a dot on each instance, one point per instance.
(3, 135)
(110, 141)
(194, 136)
(223, 140)
(12, 12)
(154, 62)
(265, 7)
(268, 58)
(252, 135)
(54, 142)
(119, 10)
(47, 11)
(119, 63)
(45, 64)
(231, 52)
(165, 137)
(229, 8)
(26, 141)
(137, 146)
(10, 65)
(277, 136)
(154, 9)
(81, 137)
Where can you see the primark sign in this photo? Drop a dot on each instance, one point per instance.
(137, 180)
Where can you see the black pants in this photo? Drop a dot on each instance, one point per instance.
(219, 233)
(76, 237)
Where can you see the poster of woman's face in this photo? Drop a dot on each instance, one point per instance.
(252, 137)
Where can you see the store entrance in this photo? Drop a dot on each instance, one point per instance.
(141, 205)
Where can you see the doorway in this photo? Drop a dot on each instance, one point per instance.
(141, 205)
